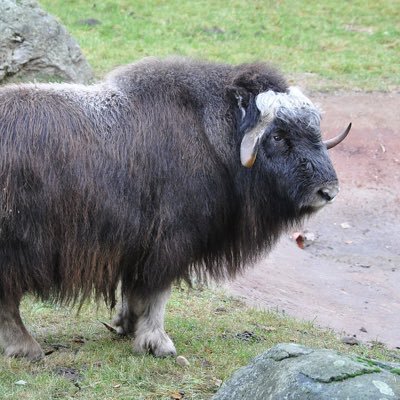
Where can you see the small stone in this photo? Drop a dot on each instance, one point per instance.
(345, 225)
(182, 361)
(350, 340)
(362, 329)
(217, 382)
(21, 383)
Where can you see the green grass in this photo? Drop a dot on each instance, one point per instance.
(204, 325)
(327, 44)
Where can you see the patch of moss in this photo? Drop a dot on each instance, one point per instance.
(355, 374)
(366, 361)
(379, 365)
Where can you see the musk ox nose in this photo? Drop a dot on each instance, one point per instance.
(329, 192)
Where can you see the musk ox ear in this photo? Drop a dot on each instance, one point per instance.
(251, 116)
(238, 97)
(246, 104)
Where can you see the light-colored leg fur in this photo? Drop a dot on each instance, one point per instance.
(14, 338)
(143, 316)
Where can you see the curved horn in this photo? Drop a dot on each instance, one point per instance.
(337, 139)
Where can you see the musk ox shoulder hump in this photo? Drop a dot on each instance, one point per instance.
(197, 76)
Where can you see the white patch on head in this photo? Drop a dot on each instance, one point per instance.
(290, 107)
(287, 105)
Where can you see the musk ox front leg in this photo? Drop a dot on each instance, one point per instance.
(14, 338)
(142, 316)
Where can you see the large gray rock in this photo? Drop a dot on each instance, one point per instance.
(291, 372)
(34, 46)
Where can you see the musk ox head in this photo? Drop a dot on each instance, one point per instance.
(287, 142)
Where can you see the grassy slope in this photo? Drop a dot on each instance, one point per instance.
(204, 325)
(336, 44)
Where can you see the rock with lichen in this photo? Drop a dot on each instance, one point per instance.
(294, 372)
(35, 46)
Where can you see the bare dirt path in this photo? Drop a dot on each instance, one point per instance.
(348, 278)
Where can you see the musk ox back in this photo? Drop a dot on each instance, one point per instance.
(167, 169)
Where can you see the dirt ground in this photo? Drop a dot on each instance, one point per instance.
(348, 278)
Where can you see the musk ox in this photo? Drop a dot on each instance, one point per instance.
(166, 170)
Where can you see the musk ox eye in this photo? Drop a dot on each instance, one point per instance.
(277, 138)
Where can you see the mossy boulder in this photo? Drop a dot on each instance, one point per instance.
(291, 371)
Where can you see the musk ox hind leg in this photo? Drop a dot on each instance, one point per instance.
(142, 316)
(14, 338)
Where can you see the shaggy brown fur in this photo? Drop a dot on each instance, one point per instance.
(100, 183)
(137, 180)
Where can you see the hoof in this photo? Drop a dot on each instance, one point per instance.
(124, 325)
(29, 350)
(157, 343)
